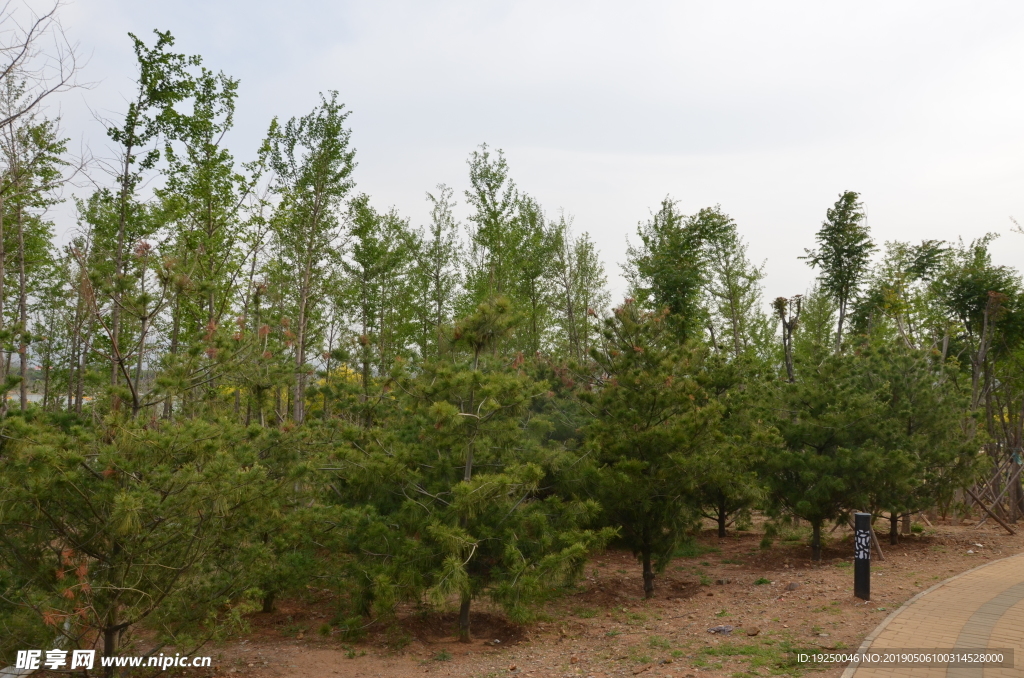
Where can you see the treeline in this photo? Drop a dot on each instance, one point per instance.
(254, 380)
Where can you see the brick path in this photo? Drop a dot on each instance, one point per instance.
(980, 608)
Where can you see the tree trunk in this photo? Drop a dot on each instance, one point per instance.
(894, 528)
(110, 632)
(648, 575)
(464, 618)
(722, 516)
(268, 603)
(46, 386)
(816, 540)
(173, 350)
(839, 328)
(22, 316)
(906, 524)
(3, 261)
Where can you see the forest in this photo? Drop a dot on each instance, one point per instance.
(236, 380)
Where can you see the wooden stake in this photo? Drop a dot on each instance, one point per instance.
(986, 509)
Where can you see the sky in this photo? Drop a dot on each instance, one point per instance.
(605, 108)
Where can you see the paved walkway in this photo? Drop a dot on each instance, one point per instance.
(980, 608)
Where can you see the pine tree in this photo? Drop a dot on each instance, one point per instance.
(103, 532)
(829, 421)
(652, 419)
(454, 500)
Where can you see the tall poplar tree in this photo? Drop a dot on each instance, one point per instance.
(579, 297)
(438, 272)
(843, 254)
(312, 162)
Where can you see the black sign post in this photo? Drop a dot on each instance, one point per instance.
(862, 555)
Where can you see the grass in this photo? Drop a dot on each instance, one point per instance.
(443, 656)
(585, 612)
(761, 581)
(658, 643)
(731, 561)
(294, 629)
(693, 549)
(636, 655)
(778, 659)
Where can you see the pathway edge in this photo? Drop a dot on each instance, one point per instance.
(870, 638)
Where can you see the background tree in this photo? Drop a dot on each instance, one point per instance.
(579, 295)
(312, 163)
(843, 254)
(438, 273)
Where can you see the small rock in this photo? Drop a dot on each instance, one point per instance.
(642, 669)
(823, 635)
(724, 629)
(753, 631)
(970, 550)
(299, 637)
(711, 594)
(668, 660)
(574, 659)
(792, 586)
(722, 582)
(511, 667)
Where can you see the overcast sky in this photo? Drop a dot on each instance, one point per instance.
(603, 108)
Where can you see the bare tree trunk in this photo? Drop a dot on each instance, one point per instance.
(648, 573)
(722, 516)
(46, 386)
(84, 358)
(464, 618)
(3, 274)
(839, 328)
(22, 315)
(173, 349)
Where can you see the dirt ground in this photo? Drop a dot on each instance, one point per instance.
(777, 600)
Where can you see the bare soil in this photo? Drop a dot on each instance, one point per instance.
(776, 599)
